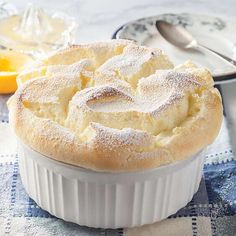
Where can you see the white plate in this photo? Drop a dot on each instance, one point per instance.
(213, 32)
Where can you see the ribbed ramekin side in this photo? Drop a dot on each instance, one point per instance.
(108, 204)
(159, 198)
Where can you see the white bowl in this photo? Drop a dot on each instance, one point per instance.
(109, 200)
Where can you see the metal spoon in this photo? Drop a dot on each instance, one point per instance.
(180, 37)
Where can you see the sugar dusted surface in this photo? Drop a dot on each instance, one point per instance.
(148, 98)
(113, 99)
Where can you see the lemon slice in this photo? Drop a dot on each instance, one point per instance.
(11, 63)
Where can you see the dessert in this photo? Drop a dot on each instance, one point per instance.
(116, 106)
(111, 134)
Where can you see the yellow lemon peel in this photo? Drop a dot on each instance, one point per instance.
(11, 63)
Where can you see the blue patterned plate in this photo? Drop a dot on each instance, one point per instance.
(213, 32)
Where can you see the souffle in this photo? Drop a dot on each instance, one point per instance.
(115, 106)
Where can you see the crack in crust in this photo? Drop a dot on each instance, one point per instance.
(115, 106)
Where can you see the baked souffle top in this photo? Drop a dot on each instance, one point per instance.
(115, 106)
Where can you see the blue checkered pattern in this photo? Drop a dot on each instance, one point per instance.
(212, 207)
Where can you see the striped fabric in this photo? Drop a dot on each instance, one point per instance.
(212, 210)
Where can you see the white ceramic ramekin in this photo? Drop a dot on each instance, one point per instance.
(109, 200)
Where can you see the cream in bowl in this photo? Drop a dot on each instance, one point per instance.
(110, 132)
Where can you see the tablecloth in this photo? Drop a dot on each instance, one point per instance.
(212, 211)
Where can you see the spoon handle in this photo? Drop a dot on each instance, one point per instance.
(228, 59)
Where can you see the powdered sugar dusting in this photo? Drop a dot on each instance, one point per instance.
(112, 138)
(127, 100)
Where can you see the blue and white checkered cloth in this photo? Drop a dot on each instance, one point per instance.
(212, 210)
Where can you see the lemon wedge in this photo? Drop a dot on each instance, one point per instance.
(11, 63)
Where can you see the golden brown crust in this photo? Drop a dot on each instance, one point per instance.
(116, 107)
